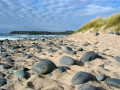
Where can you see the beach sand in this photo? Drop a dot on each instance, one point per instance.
(106, 45)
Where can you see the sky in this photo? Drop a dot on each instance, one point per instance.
(52, 15)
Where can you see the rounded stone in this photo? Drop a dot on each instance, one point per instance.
(44, 66)
(3, 81)
(81, 77)
(113, 82)
(89, 56)
(66, 49)
(66, 60)
(20, 74)
(61, 69)
(101, 77)
(87, 87)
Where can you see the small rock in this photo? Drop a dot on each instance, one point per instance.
(8, 59)
(20, 74)
(81, 77)
(101, 77)
(117, 58)
(102, 65)
(66, 60)
(89, 56)
(67, 50)
(113, 82)
(96, 33)
(80, 49)
(87, 87)
(3, 81)
(61, 69)
(5, 66)
(86, 44)
(117, 33)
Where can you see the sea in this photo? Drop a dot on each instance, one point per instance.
(23, 36)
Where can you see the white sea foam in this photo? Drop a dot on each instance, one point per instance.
(16, 36)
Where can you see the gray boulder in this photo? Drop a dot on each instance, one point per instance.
(81, 77)
(20, 74)
(3, 81)
(5, 66)
(66, 60)
(87, 87)
(44, 66)
(67, 50)
(89, 56)
(117, 58)
(113, 82)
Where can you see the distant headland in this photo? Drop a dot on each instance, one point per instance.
(41, 32)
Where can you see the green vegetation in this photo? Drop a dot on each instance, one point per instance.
(41, 32)
(99, 22)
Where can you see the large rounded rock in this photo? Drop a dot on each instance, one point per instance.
(89, 56)
(20, 74)
(87, 87)
(44, 66)
(113, 82)
(65, 60)
(81, 77)
(3, 81)
(117, 58)
(67, 50)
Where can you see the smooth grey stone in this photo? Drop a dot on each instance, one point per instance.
(87, 87)
(80, 49)
(4, 55)
(5, 66)
(101, 77)
(61, 69)
(96, 33)
(67, 50)
(8, 73)
(81, 77)
(66, 60)
(8, 59)
(2, 75)
(110, 33)
(89, 56)
(86, 44)
(3, 81)
(44, 66)
(15, 47)
(117, 33)
(113, 82)
(96, 43)
(102, 65)
(117, 58)
(49, 43)
(20, 74)
(24, 69)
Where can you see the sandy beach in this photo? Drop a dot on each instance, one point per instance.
(40, 64)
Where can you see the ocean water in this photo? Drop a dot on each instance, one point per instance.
(22, 36)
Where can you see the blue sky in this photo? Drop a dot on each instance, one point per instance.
(52, 15)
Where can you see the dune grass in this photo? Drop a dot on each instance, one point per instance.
(98, 22)
(112, 20)
(93, 23)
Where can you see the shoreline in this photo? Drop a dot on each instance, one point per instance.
(27, 53)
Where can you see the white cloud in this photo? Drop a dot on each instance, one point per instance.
(52, 14)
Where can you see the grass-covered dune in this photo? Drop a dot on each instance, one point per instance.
(111, 23)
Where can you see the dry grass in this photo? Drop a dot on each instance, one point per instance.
(98, 22)
(112, 20)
